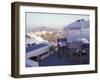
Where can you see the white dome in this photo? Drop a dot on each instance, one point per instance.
(83, 40)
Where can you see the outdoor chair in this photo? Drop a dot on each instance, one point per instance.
(81, 53)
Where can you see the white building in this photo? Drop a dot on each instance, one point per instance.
(77, 29)
(39, 47)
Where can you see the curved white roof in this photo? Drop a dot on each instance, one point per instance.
(77, 25)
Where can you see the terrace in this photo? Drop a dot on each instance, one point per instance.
(46, 55)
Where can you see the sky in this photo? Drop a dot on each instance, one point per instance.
(34, 19)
